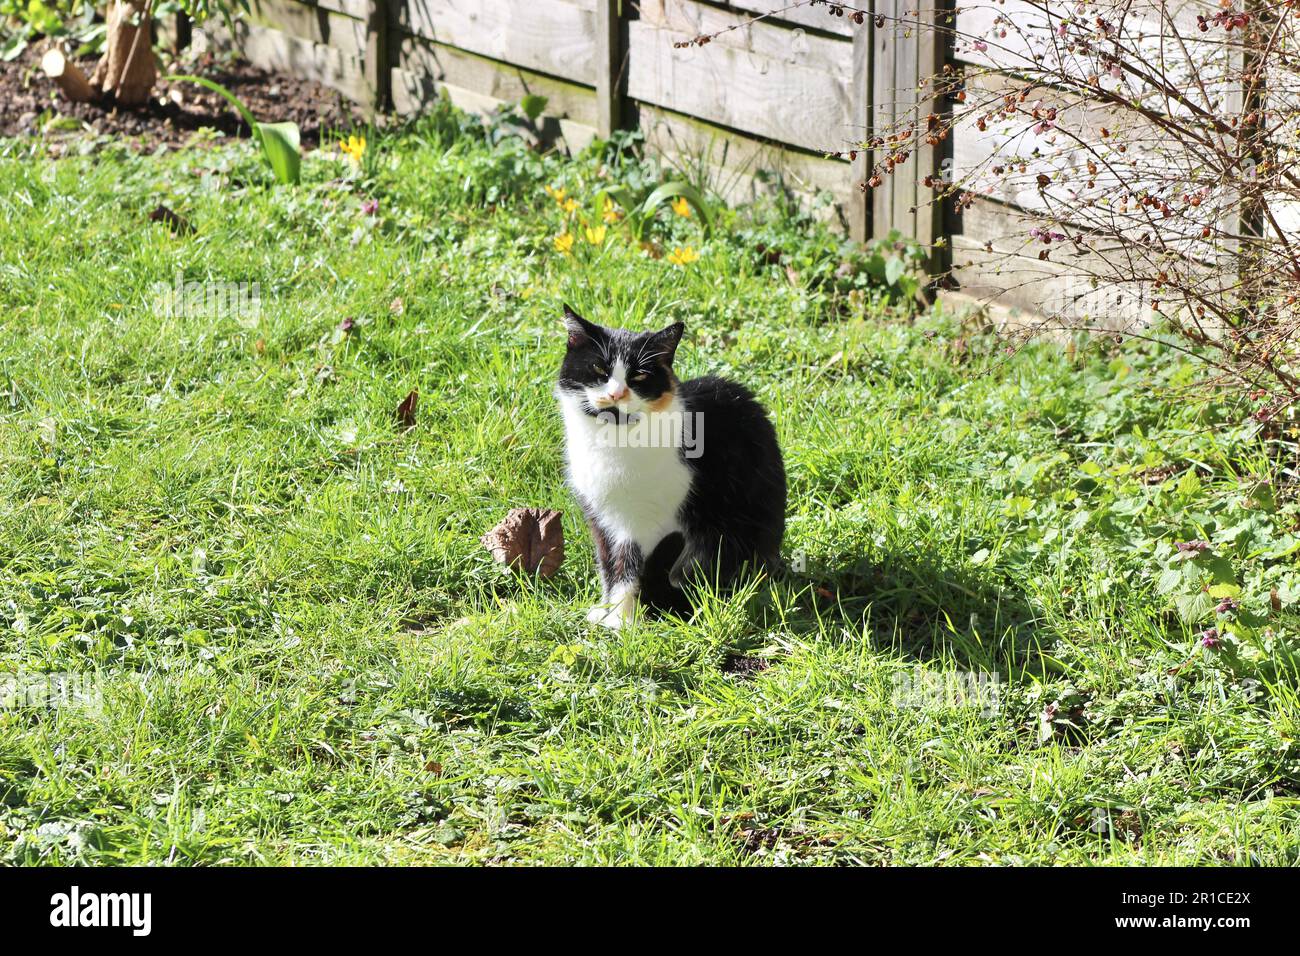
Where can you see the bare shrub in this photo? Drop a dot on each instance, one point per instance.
(1141, 153)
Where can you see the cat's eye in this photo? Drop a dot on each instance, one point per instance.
(600, 370)
(639, 377)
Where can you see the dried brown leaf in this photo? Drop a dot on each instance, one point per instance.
(531, 539)
(406, 410)
(178, 224)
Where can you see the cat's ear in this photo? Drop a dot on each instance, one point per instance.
(666, 340)
(580, 330)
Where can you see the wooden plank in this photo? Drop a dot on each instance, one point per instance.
(885, 42)
(275, 50)
(908, 55)
(357, 9)
(1023, 152)
(859, 198)
(763, 38)
(931, 52)
(555, 37)
(375, 61)
(817, 17)
(739, 168)
(1021, 36)
(782, 101)
(414, 92)
(903, 92)
(426, 65)
(1283, 101)
(309, 22)
(994, 261)
(611, 63)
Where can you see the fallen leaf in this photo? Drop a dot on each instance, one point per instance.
(406, 410)
(178, 224)
(528, 538)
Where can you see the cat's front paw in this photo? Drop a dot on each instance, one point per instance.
(612, 617)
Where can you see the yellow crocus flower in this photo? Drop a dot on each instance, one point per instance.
(354, 147)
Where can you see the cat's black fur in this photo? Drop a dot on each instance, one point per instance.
(738, 495)
(733, 515)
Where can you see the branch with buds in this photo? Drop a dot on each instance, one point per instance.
(1148, 146)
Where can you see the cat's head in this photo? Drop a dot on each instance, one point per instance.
(615, 368)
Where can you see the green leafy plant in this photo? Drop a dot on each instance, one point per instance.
(21, 21)
(516, 121)
(640, 207)
(279, 141)
(897, 263)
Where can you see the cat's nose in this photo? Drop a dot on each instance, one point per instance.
(617, 393)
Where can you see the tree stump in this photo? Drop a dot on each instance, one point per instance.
(126, 70)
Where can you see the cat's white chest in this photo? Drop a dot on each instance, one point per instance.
(636, 486)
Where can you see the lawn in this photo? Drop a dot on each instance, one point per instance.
(1040, 605)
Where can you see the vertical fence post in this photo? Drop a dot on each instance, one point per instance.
(609, 67)
(885, 41)
(859, 204)
(908, 53)
(377, 75)
(931, 41)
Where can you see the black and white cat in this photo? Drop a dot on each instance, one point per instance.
(687, 473)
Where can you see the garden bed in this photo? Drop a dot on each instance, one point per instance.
(31, 105)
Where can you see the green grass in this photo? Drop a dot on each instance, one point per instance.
(307, 657)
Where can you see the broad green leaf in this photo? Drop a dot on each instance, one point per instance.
(670, 191)
(894, 270)
(279, 141)
(1193, 607)
(532, 105)
(280, 144)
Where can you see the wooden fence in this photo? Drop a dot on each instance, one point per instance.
(759, 108)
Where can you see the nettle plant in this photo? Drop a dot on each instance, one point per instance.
(1148, 149)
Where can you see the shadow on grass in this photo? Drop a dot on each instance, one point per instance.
(923, 610)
